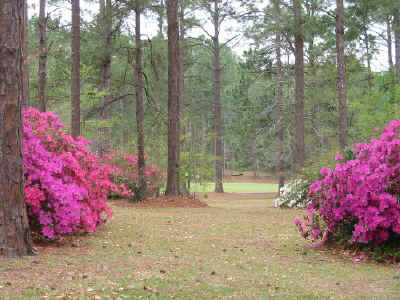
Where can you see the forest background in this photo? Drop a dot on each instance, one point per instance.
(256, 129)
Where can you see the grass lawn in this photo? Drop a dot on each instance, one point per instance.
(239, 247)
(237, 187)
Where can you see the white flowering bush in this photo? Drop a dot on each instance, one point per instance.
(294, 194)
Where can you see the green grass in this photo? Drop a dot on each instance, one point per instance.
(238, 248)
(242, 187)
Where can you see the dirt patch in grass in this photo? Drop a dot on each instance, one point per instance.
(163, 201)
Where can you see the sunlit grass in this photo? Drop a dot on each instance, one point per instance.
(239, 187)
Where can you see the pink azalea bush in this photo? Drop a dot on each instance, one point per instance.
(125, 174)
(359, 199)
(66, 185)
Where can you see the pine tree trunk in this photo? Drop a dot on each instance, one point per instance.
(389, 43)
(299, 93)
(15, 238)
(219, 155)
(75, 71)
(279, 100)
(367, 49)
(139, 104)
(396, 25)
(173, 97)
(105, 80)
(26, 56)
(42, 56)
(341, 82)
(181, 84)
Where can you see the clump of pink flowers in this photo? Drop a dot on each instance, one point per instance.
(66, 185)
(358, 199)
(125, 174)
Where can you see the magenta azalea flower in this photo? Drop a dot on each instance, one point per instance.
(360, 193)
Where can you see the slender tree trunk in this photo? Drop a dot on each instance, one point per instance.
(42, 56)
(181, 83)
(75, 71)
(389, 43)
(26, 56)
(341, 82)
(15, 238)
(396, 25)
(219, 155)
(105, 80)
(367, 46)
(299, 94)
(139, 103)
(160, 19)
(279, 99)
(173, 97)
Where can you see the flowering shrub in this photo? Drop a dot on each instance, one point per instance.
(358, 199)
(66, 185)
(125, 175)
(293, 194)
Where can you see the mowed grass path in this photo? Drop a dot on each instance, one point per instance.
(237, 187)
(238, 248)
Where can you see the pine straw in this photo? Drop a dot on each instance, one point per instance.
(163, 201)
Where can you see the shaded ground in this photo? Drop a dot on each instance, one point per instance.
(237, 176)
(239, 247)
(163, 201)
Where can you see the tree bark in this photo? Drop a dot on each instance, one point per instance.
(173, 97)
(42, 56)
(367, 49)
(181, 88)
(26, 56)
(396, 25)
(105, 80)
(75, 71)
(15, 237)
(341, 81)
(299, 93)
(139, 103)
(219, 155)
(389, 43)
(279, 99)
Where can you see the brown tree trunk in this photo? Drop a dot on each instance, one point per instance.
(219, 155)
(105, 80)
(396, 25)
(367, 46)
(42, 56)
(75, 71)
(181, 88)
(139, 103)
(279, 99)
(173, 97)
(15, 238)
(299, 93)
(341, 82)
(26, 56)
(389, 43)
